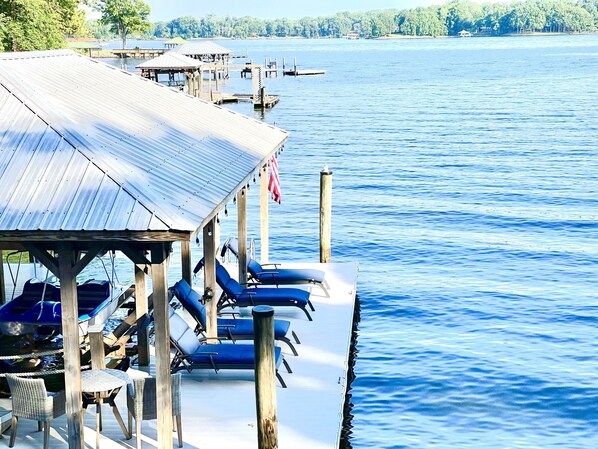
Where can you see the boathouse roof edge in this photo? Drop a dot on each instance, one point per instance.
(86, 147)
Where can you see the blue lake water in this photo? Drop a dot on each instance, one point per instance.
(466, 186)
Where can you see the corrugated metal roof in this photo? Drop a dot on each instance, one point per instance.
(202, 48)
(85, 146)
(170, 60)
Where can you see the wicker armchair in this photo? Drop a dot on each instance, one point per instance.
(141, 403)
(30, 400)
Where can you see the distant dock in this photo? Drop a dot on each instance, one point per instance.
(138, 53)
(296, 72)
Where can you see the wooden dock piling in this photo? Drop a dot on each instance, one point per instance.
(325, 214)
(265, 377)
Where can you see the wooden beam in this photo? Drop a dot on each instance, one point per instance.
(264, 244)
(209, 269)
(141, 310)
(70, 333)
(136, 256)
(186, 261)
(94, 236)
(48, 261)
(96, 346)
(160, 255)
(89, 256)
(242, 234)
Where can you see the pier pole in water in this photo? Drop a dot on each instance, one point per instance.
(325, 214)
(265, 377)
(264, 244)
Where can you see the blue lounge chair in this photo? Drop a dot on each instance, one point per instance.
(192, 353)
(234, 295)
(228, 328)
(276, 275)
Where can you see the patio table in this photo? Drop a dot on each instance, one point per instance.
(102, 385)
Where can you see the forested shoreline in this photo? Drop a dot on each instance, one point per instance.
(44, 24)
(443, 20)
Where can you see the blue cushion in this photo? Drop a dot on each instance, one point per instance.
(273, 296)
(191, 301)
(245, 327)
(231, 356)
(289, 276)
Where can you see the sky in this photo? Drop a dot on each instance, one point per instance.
(164, 10)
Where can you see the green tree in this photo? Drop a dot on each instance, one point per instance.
(98, 30)
(72, 17)
(30, 25)
(124, 16)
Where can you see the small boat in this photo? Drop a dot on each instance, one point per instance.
(39, 307)
(352, 35)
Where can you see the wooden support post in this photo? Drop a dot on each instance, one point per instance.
(325, 214)
(265, 377)
(264, 244)
(160, 254)
(186, 260)
(96, 346)
(2, 286)
(209, 269)
(242, 234)
(141, 315)
(72, 354)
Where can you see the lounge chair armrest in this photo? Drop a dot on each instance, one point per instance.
(267, 273)
(275, 265)
(205, 339)
(228, 326)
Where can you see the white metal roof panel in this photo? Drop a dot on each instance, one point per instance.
(170, 60)
(111, 151)
(201, 48)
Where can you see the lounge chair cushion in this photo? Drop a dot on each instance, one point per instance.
(284, 276)
(255, 296)
(236, 355)
(191, 301)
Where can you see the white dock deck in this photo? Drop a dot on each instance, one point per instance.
(219, 409)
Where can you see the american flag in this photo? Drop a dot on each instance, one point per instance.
(274, 182)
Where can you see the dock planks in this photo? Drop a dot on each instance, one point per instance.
(219, 409)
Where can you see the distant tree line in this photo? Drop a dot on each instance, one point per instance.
(445, 20)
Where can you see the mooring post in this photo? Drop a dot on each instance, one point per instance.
(325, 214)
(265, 377)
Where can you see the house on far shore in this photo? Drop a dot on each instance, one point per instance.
(174, 42)
(464, 33)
